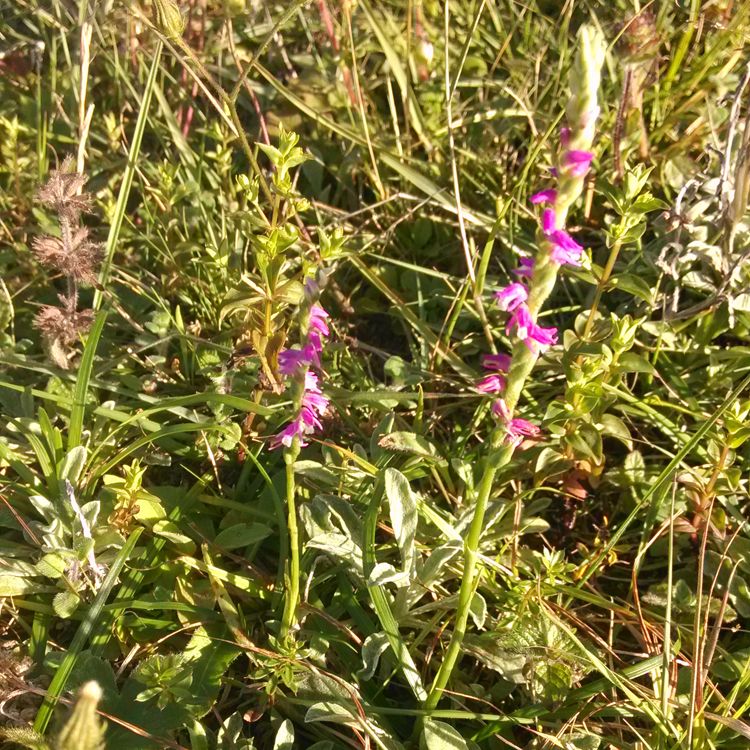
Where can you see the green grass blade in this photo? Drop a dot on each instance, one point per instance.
(380, 601)
(87, 361)
(661, 482)
(127, 178)
(78, 408)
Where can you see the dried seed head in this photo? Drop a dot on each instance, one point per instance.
(79, 257)
(62, 325)
(60, 192)
(640, 40)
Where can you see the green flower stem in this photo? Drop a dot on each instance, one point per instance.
(292, 577)
(606, 273)
(581, 114)
(496, 459)
(523, 361)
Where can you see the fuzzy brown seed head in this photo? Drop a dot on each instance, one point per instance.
(640, 38)
(78, 258)
(61, 191)
(63, 326)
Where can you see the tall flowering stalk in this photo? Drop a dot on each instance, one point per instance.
(523, 299)
(309, 405)
(73, 255)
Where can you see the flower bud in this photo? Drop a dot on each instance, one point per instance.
(623, 332)
(585, 76)
(233, 8)
(425, 52)
(84, 730)
(168, 19)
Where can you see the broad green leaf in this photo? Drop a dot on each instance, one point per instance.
(65, 603)
(208, 655)
(51, 565)
(171, 532)
(150, 509)
(73, 463)
(631, 283)
(409, 442)
(430, 570)
(403, 512)
(504, 658)
(437, 735)
(478, 610)
(613, 426)
(381, 602)
(384, 573)
(241, 535)
(17, 586)
(632, 362)
(373, 648)
(549, 463)
(586, 441)
(284, 736)
(332, 712)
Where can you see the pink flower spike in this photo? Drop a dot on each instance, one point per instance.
(291, 360)
(565, 248)
(522, 321)
(525, 268)
(562, 239)
(318, 320)
(563, 257)
(548, 221)
(311, 382)
(309, 420)
(511, 296)
(497, 362)
(315, 402)
(315, 342)
(491, 384)
(539, 338)
(312, 398)
(287, 435)
(544, 196)
(518, 429)
(578, 162)
(524, 427)
(500, 410)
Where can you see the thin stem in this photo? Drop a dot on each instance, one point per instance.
(361, 102)
(291, 580)
(229, 103)
(606, 273)
(667, 639)
(497, 458)
(454, 166)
